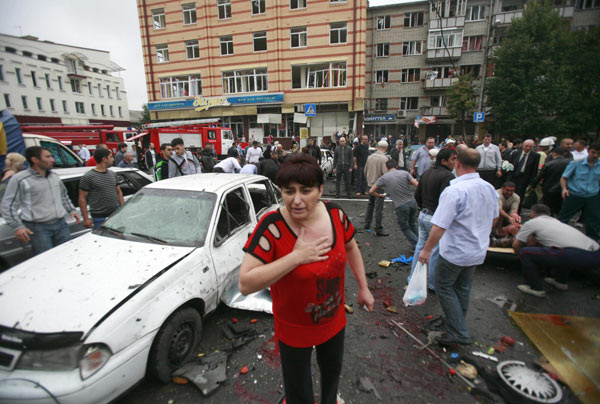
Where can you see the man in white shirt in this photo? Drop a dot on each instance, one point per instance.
(83, 152)
(579, 151)
(150, 156)
(490, 164)
(229, 165)
(462, 224)
(254, 153)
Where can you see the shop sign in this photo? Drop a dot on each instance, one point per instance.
(204, 103)
(303, 133)
(380, 118)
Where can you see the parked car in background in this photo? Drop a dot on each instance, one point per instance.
(90, 318)
(327, 162)
(13, 251)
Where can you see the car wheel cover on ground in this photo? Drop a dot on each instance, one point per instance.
(534, 385)
(180, 344)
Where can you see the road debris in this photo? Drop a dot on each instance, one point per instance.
(348, 309)
(365, 384)
(207, 373)
(180, 380)
(253, 321)
(392, 309)
(244, 370)
(384, 263)
(482, 355)
(467, 370)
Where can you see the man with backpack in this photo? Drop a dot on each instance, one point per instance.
(161, 169)
(182, 162)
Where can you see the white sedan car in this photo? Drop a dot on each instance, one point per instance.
(85, 321)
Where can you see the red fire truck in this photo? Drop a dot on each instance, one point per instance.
(90, 135)
(196, 134)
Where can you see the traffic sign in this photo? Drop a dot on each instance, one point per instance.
(479, 117)
(310, 109)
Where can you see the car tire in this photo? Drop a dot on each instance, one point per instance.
(174, 345)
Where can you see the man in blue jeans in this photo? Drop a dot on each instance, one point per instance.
(36, 203)
(433, 182)
(461, 224)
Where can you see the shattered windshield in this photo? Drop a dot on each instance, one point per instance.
(163, 216)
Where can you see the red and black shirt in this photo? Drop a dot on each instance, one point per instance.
(308, 303)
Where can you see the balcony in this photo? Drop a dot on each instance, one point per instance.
(566, 11)
(450, 22)
(436, 84)
(507, 17)
(437, 111)
(442, 54)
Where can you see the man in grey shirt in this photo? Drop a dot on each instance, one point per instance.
(397, 184)
(36, 203)
(546, 242)
(421, 158)
(182, 162)
(490, 165)
(99, 189)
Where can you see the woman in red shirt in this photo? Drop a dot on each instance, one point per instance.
(301, 250)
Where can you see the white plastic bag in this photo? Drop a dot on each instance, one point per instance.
(416, 292)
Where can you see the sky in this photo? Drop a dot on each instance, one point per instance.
(109, 25)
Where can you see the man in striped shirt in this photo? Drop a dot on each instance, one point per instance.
(99, 188)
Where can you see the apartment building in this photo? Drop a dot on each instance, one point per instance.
(43, 82)
(416, 50)
(257, 64)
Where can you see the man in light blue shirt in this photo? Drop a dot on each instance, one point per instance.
(421, 158)
(580, 183)
(461, 224)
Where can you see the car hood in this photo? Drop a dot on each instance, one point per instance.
(71, 287)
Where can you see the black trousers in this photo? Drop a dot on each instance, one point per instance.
(297, 379)
(345, 172)
(490, 176)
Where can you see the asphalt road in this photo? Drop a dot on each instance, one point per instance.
(398, 370)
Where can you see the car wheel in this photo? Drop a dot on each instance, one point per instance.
(175, 344)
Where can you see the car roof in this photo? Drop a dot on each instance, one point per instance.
(209, 182)
(74, 172)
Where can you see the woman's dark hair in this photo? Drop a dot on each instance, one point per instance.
(300, 168)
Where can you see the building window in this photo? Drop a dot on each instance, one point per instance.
(120, 112)
(298, 37)
(381, 76)
(189, 13)
(42, 58)
(102, 110)
(108, 91)
(583, 4)
(1, 73)
(409, 103)
(258, 6)
(28, 54)
(94, 109)
(10, 49)
(60, 84)
(158, 18)
(180, 86)
(411, 75)
(475, 13)
(260, 41)
(412, 20)
(24, 101)
(245, 81)
(7, 100)
(383, 22)
(382, 50)
(71, 65)
(381, 104)
(118, 93)
(47, 77)
(162, 53)
(90, 87)
(337, 1)
(338, 32)
(224, 7)
(438, 101)
(473, 70)
(79, 108)
(99, 90)
(33, 79)
(192, 50)
(18, 73)
(443, 72)
(411, 48)
(38, 101)
(65, 108)
(472, 43)
(226, 43)
(52, 105)
(294, 4)
(75, 86)
(320, 75)
(450, 39)
(110, 107)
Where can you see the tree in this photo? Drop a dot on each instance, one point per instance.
(145, 115)
(530, 91)
(461, 99)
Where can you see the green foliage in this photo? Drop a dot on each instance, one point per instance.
(145, 115)
(461, 99)
(532, 91)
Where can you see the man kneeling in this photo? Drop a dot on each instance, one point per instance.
(554, 245)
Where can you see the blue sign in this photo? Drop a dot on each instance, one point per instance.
(380, 118)
(222, 101)
(310, 109)
(479, 117)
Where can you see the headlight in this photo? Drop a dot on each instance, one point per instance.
(94, 357)
(56, 359)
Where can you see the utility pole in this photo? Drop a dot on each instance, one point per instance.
(485, 60)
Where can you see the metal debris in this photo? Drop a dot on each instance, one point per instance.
(257, 301)
(207, 373)
(365, 384)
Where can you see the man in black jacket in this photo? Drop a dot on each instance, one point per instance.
(343, 162)
(550, 175)
(525, 164)
(270, 167)
(313, 150)
(433, 181)
(361, 154)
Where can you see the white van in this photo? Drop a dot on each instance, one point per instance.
(63, 156)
